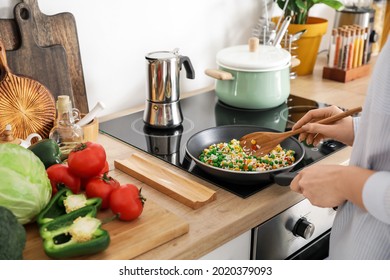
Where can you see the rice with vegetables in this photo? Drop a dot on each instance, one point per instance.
(231, 156)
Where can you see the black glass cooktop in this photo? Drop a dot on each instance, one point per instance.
(204, 111)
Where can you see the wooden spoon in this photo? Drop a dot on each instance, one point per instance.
(264, 142)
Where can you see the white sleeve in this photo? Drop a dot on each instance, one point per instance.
(356, 122)
(376, 196)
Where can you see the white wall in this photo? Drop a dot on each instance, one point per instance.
(115, 35)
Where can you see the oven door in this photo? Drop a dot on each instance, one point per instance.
(300, 232)
(318, 249)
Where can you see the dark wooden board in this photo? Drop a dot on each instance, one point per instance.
(52, 30)
(47, 65)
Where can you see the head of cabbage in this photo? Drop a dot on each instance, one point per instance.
(24, 186)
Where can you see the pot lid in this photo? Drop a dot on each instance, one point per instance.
(264, 57)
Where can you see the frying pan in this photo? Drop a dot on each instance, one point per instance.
(201, 140)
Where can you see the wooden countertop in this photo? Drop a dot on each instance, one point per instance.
(229, 215)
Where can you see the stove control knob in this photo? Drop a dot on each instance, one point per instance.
(303, 228)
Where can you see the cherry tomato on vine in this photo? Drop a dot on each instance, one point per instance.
(101, 186)
(60, 176)
(127, 202)
(87, 159)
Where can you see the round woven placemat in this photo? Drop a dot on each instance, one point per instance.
(25, 103)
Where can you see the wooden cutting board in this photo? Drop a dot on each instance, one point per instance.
(154, 227)
(47, 65)
(167, 181)
(48, 31)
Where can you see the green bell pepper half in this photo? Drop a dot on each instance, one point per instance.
(56, 207)
(58, 242)
(48, 152)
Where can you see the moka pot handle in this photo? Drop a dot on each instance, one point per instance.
(190, 72)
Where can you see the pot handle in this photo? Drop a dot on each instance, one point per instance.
(219, 74)
(284, 178)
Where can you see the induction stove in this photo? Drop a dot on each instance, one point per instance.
(204, 111)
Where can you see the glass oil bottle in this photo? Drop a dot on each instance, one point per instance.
(66, 132)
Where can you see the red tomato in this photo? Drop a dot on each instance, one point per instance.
(87, 159)
(84, 181)
(127, 202)
(60, 177)
(105, 169)
(101, 186)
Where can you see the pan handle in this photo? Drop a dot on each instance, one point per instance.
(284, 178)
(186, 164)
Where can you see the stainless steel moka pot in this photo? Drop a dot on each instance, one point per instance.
(162, 108)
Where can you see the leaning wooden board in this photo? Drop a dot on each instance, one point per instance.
(154, 227)
(167, 181)
(47, 65)
(48, 31)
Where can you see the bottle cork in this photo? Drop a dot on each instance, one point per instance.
(63, 103)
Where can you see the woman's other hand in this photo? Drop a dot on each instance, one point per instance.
(331, 185)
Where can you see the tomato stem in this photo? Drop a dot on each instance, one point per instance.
(80, 147)
(106, 178)
(141, 197)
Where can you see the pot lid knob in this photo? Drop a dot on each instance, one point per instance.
(253, 43)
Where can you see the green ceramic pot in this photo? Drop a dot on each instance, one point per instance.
(257, 79)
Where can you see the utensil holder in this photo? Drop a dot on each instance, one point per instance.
(91, 130)
(344, 76)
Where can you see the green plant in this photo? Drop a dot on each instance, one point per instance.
(299, 9)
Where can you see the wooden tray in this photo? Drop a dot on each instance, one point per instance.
(167, 181)
(154, 227)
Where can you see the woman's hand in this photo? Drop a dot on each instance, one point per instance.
(341, 130)
(331, 185)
